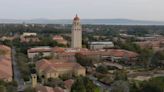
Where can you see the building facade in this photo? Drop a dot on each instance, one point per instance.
(68, 54)
(29, 37)
(100, 45)
(76, 33)
(113, 55)
(59, 39)
(55, 68)
(44, 51)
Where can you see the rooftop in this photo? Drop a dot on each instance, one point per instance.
(101, 43)
(76, 17)
(5, 63)
(58, 37)
(56, 63)
(40, 49)
(111, 52)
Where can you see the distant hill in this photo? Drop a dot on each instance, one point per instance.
(86, 21)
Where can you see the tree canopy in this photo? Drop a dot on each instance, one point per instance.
(83, 84)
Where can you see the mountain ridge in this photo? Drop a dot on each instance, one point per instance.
(83, 21)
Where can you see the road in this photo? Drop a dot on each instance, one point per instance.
(113, 64)
(17, 75)
(101, 85)
(119, 66)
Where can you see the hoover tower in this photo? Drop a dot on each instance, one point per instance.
(76, 33)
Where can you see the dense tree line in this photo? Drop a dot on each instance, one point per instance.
(8, 86)
(11, 29)
(107, 30)
(158, 59)
(84, 84)
(152, 85)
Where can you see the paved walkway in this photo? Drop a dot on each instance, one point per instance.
(17, 75)
(113, 64)
(99, 84)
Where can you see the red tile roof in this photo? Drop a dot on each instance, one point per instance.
(88, 53)
(41, 88)
(76, 17)
(58, 37)
(58, 49)
(3, 47)
(55, 64)
(68, 51)
(58, 89)
(5, 63)
(39, 49)
(122, 53)
(111, 52)
(68, 83)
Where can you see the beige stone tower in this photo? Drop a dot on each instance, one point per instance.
(34, 80)
(76, 33)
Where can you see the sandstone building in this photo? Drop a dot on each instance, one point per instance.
(55, 68)
(76, 41)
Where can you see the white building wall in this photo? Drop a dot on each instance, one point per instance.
(100, 46)
(45, 54)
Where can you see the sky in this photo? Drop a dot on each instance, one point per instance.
(86, 9)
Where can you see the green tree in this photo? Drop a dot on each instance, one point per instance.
(83, 84)
(120, 75)
(158, 59)
(102, 69)
(120, 86)
(145, 57)
(29, 89)
(54, 82)
(154, 85)
(84, 61)
(2, 88)
(78, 86)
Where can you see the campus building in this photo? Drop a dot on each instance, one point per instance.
(55, 68)
(76, 33)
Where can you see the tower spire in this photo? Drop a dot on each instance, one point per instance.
(76, 17)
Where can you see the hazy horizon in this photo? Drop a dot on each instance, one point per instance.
(93, 9)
